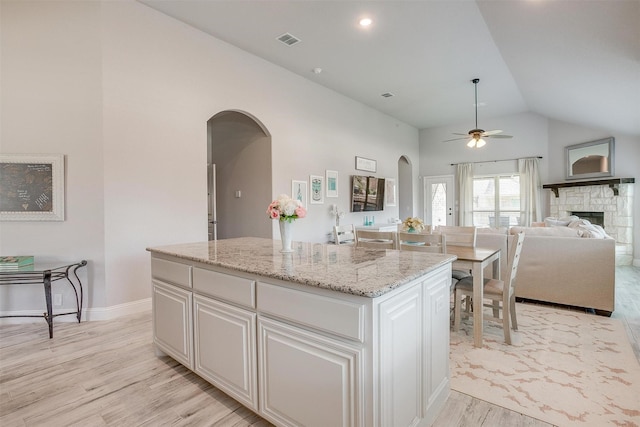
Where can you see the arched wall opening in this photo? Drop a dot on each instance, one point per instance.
(239, 176)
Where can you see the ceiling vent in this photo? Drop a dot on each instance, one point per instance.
(387, 95)
(288, 39)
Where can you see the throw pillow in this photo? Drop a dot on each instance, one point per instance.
(588, 230)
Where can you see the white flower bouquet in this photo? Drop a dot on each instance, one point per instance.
(285, 208)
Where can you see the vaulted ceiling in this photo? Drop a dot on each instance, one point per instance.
(571, 60)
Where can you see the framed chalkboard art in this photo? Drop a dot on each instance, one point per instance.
(31, 187)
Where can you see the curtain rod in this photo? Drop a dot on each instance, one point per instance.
(493, 161)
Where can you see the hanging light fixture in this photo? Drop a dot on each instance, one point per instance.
(477, 134)
(476, 141)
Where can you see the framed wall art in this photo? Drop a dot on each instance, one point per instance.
(368, 165)
(332, 183)
(31, 187)
(316, 183)
(299, 192)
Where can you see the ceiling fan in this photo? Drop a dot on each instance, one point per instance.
(476, 134)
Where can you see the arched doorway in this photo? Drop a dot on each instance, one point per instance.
(239, 176)
(405, 187)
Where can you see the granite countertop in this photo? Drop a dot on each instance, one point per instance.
(358, 271)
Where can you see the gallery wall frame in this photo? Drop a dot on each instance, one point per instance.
(364, 164)
(390, 198)
(332, 183)
(299, 192)
(32, 187)
(316, 185)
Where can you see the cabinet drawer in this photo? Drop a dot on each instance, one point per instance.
(339, 317)
(171, 272)
(225, 286)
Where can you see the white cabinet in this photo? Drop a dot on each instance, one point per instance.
(436, 334)
(173, 322)
(302, 355)
(308, 379)
(400, 350)
(225, 349)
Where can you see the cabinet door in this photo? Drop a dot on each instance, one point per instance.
(308, 379)
(400, 354)
(436, 338)
(225, 350)
(172, 322)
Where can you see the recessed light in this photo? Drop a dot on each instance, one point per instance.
(365, 22)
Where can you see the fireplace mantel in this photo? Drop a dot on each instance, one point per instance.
(612, 183)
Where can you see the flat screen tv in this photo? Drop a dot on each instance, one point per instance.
(367, 193)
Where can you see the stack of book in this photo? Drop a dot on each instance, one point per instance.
(14, 262)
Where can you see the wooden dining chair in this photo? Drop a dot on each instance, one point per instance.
(376, 239)
(344, 234)
(460, 236)
(501, 292)
(434, 243)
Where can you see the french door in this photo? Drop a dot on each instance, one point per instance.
(439, 200)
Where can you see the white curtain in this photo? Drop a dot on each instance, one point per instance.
(464, 175)
(529, 191)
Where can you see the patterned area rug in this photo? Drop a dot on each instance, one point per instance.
(565, 368)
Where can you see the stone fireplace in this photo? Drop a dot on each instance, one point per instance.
(593, 217)
(614, 203)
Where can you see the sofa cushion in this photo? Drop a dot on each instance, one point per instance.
(546, 231)
(492, 230)
(559, 222)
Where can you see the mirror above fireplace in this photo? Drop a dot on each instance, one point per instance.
(590, 159)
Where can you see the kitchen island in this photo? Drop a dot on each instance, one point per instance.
(325, 336)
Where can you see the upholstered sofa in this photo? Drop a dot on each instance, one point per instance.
(559, 266)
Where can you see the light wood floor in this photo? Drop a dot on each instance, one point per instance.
(106, 374)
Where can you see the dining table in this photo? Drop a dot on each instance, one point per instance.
(480, 258)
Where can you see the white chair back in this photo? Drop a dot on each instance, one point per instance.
(376, 239)
(344, 234)
(459, 236)
(434, 243)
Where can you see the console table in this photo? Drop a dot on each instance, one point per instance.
(45, 274)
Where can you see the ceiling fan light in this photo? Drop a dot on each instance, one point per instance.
(480, 143)
(471, 143)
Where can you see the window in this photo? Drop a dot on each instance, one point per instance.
(496, 197)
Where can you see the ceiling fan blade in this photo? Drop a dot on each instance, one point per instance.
(454, 139)
(456, 133)
(498, 136)
(491, 132)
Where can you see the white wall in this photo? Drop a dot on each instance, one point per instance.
(534, 135)
(125, 93)
(52, 103)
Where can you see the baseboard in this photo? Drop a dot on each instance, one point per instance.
(113, 312)
(90, 314)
